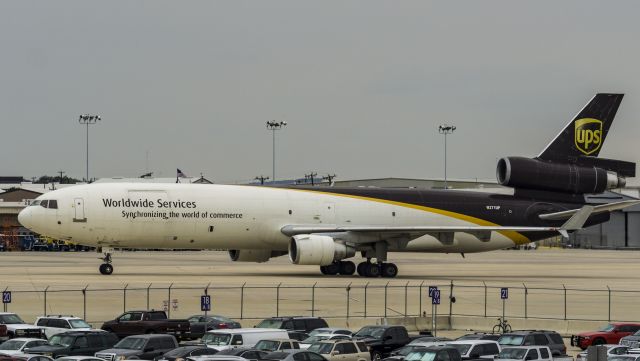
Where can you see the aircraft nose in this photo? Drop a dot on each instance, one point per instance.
(24, 217)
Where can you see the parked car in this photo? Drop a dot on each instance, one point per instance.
(181, 353)
(271, 345)
(240, 337)
(79, 358)
(342, 350)
(144, 347)
(609, 334)
(632, 341)
(57, 324)
(331, 331)
(294, 355)
(299, 324)
(612, 350)
(530, 353)
(475, 349)
(199, 324)
(627, 357)
(25, 357)
(18, 328)
(304, 344)
(551, 339)
(429, 341)
(18, 346)
(480, 336)
(76, 343)
(144, 322)
(434, 353)
(244, 352)
(3, 333)
(383, 339)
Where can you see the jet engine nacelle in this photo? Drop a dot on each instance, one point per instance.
(253, 255)
(520, 172)
(317, 250)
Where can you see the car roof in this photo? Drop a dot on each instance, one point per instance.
(470, 341)
(523, 347)
(80, 333)
(149, 335)
(279, 339)
(332, 329)
(246, 330)
(62, 317)
(624, 323)
(27, 339)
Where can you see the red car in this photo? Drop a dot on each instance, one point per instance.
(609, 334)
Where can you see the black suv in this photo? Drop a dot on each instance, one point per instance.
(296, 324)
(143, 347)
(76, 343)
(535, 338)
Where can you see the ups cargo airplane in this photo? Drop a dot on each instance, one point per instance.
(327, 226)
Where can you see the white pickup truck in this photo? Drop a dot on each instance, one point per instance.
(18, 328)
(529, 353)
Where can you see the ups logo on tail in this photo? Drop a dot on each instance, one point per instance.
(588, 135)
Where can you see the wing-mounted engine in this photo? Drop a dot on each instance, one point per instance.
(253, 255)
(313, 249)
(528, 173)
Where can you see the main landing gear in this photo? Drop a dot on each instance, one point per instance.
(345, 268)
(106, 268)
(365, 269)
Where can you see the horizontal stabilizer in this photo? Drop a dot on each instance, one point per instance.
(609, 207)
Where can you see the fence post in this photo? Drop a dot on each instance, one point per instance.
(526, 292)
(4, 305)
(451, 300)
(148, 288)
(405, 298)
(365, 299)
(169, 302)
(609, 291)
(124, 298)
(313, 299)
(420, 299)
(242, 300)
(485, 299)
(385, 300)
(565, 301)
(278, 299)
(84, 302)
(45, 301)
(348, 292)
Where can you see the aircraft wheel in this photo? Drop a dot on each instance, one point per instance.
(333, 268)
(347, 268)
(362, 269)
(323, 270)
(389, 270)
(106, 269)
(372, 270)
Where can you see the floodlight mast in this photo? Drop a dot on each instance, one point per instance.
(87, 119)
(445, 130)
(273, 126)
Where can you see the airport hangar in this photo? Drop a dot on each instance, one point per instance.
(622, 231)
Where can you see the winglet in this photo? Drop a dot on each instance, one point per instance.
(576, 221)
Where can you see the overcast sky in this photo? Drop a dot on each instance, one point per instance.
(362, 84)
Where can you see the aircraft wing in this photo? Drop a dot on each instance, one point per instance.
(609, 207)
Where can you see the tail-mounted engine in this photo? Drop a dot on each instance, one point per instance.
(528, 173)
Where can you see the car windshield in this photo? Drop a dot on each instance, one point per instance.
(319, 331)
(266, 345)
(421, 356)
(61, 340)
(194, 319)
(512, 353)
(607, 328)
(322, 348)
(314, 339)
(79, 324)
(12, 345)
(270, 324)
(10, 319)
(216, 339)
(512, 340)
(463, 348)
(374, 332)
(131, 343)
(404, 350)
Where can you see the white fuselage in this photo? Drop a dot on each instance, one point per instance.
(200, 216)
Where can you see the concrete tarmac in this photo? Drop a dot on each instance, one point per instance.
(546, 273)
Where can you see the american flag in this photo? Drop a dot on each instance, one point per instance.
(179, 175)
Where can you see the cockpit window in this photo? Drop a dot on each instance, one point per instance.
(53, 204)
(36, 202)
(46, 203)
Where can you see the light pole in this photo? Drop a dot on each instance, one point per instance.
(88, 120)
(446, 129)
(273, 126)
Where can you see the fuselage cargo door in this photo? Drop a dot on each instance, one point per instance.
(78, 205)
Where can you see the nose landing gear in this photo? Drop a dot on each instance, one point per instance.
(106, 268)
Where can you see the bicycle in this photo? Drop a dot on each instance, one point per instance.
(502, 325)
